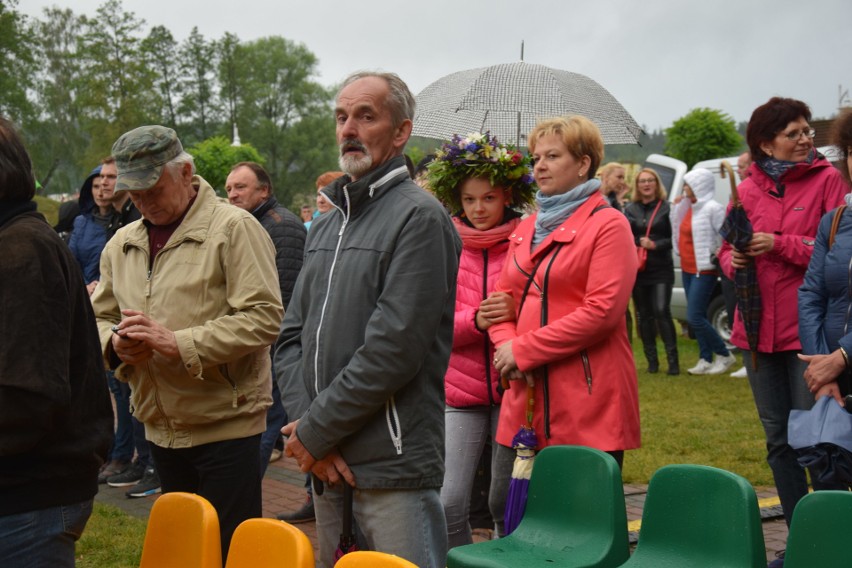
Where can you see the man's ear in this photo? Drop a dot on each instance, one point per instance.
(402, 134)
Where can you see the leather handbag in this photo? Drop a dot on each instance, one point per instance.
(642, 252)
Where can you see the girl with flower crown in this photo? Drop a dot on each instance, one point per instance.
(482, 182)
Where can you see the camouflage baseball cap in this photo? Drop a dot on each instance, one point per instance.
(141, 154)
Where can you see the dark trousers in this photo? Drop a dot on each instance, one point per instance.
(653, 313)
(225, 473)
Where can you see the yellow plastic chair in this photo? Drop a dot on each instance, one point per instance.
(269, 543)
(371, 559)
(819, 531)
(183, 532)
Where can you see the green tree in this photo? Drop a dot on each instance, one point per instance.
(16, 62)
(160, 51)
(702, 134)
(229, 85)
(215, 157)
(198, 107)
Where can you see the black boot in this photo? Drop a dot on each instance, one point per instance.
(669, 335)
(648, 334)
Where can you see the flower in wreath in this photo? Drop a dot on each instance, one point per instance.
(480, 155)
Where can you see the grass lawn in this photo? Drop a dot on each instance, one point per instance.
(709, 420)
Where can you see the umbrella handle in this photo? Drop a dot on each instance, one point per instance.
(724, 166)
(530, 404)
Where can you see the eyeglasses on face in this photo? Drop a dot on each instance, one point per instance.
(793, 136)
(646, 180)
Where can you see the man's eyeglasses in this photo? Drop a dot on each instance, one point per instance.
(796, 134)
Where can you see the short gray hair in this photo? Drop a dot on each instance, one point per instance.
(175, 165)
(400, 100)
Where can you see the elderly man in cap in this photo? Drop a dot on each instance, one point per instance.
(187, 306)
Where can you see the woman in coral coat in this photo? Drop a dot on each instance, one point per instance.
(571, 269)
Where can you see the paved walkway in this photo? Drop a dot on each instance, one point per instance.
(283, 490)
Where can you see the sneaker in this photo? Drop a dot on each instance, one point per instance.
(778, 562)
(303, 515)
(148, 485)
(113, 467)
(722, 364)
(701, 368)
(740, 373)
(275, 455)
(129, 476)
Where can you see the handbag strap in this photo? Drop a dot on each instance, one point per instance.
(835, 223)
(651, 220)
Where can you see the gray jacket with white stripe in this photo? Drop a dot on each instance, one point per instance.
(366, 339)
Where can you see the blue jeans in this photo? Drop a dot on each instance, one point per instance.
(276, 418)
(122, 447)
(43, 538)
(778, 387)
(467, 431)
(409, 523)
(699, 290)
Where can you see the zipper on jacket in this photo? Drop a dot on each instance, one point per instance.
(486, 342)
(587, 368)
(394, 426)
(346, 215)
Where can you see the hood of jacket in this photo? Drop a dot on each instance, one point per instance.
(702, 183)
(86, 200)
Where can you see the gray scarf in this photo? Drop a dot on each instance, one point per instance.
(553, 210)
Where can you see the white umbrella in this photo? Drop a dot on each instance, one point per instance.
(509, 99)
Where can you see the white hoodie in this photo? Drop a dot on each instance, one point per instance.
(707, 217)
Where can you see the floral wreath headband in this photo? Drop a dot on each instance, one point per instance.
(480, 156)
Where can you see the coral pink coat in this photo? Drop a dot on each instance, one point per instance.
(590, 396)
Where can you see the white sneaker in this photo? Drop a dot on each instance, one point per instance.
(701, 368)
(740, 373)
(722, 364)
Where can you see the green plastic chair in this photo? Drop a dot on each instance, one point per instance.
(697, 516)
(819, 531)
(575, 517)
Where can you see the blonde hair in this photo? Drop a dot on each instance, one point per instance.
(607, 169)
(579, 134)
(661, 191)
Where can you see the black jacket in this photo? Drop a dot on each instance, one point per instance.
(55, 410)
(660, 266)
(288, 235)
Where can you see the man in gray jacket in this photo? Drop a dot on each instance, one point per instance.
(367, 336)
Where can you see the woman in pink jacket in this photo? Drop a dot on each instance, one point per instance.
(789, 188)
(570, 270)
(484, 182)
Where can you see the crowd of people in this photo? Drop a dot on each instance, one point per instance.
(395, 335)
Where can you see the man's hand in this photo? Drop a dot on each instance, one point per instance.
(822, 369)
(329, 469)
(131, 351)
(137, 326)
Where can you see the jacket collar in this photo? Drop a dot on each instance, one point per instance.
(567, 231)
(374, 184)
(261, 209)
(195, 224)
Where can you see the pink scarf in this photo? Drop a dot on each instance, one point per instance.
(475, 238)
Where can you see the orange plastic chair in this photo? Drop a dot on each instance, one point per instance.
(183, 532)
(371, 559)
(269, 543)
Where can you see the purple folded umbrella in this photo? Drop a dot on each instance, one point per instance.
(525, 443)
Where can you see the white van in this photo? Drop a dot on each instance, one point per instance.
(671, 171)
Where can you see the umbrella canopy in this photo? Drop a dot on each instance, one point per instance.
(737, 230)
(508, 99)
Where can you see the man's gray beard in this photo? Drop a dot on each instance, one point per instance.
(355, 167)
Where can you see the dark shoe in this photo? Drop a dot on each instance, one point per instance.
(129, 476)
(303, 515)
(673, 370)
(114, 467)
(148, 485)
(654, 368)
(778, 562)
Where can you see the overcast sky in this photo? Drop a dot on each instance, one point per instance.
(659, 58)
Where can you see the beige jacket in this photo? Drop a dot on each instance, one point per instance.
(215, 284)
